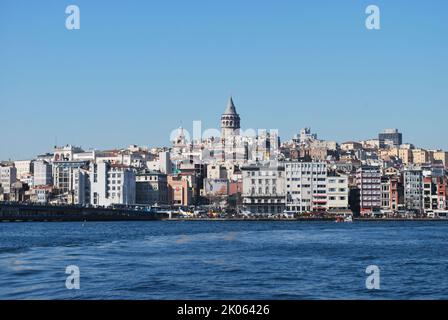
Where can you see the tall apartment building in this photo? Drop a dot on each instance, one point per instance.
(264, 188)
(413, 190)
(368, 181)
(81, 187)
(111, 184)
(63, 178)
(391, 193)
(434, 193)
(42, 173)
(390, 137)
(8, 175)
(69, 181)
(306, 186)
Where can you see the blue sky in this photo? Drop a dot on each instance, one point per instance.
(137, 70)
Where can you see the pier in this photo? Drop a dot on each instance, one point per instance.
(32, 212)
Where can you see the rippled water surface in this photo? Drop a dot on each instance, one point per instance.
(224, 260)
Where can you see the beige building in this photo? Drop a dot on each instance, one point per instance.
(442, 156)
(420, 156)
(405, 155)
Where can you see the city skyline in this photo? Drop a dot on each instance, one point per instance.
(189, 130)
(131, 77)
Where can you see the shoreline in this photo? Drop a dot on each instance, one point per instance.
(42, 213)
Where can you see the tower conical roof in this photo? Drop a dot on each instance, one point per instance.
(230, 109)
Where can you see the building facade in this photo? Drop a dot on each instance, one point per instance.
(42, 173)
(413, 190)
(368, 181)
(263, 189)
(111, 184)
(306, 186)
(151, 188)
(8, 175)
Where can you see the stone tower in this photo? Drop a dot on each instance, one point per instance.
(230, 121)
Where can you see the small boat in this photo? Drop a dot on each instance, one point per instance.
(344, 219)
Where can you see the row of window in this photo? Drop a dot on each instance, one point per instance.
(264, 173)
(339, 198)
(306, 179)
(266, 181)
(307, 173)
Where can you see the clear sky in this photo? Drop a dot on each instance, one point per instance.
(136, 70)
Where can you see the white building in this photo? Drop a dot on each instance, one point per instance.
(337, 191)
(66, 153)
(165, 163)
(8, 175)
(263, 188)
(413, 189)
(111, 184)
(42, 173)
(306, 186)
(81, 187)
(23, 168)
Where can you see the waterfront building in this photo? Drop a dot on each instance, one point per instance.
(306, 186)
(18, 191)
(337, 191)
(63, 175)
(81, 187)
(42, 173)
(263, 188)
(8, 175)
(41, 194)
(180, 192)
(151, 188)
(368, 181)
(434, 193)
(413, 189)
(111, 183)
(391, 192)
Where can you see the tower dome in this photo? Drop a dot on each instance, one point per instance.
(230, 121)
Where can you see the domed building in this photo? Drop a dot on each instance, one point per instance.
(230, 121)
